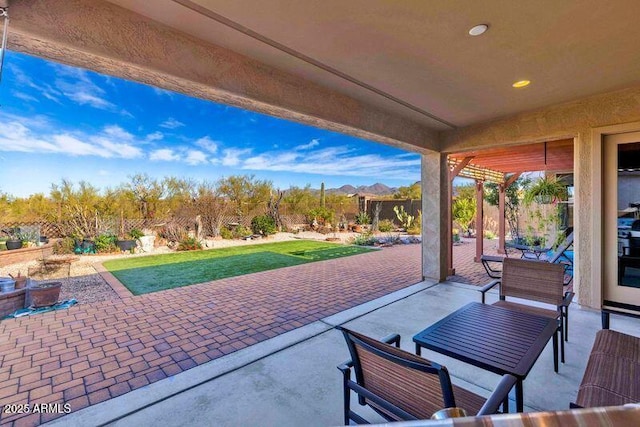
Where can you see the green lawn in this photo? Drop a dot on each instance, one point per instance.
(154, 273)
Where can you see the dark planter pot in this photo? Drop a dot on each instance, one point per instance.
(126, 245)
(544, 199)
(13, 244)
(44, 294)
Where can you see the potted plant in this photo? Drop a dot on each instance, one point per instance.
(545, 191)
(14, 240)
(43, 294)
(128, 242)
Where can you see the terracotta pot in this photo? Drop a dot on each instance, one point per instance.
(44, 294)
(21, 281)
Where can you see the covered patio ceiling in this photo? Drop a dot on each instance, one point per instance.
(401, 73)
(495, 164)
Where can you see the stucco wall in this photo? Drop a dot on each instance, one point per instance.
(576, 120)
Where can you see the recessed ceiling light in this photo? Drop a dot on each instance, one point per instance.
(478, 30)
(521, 83)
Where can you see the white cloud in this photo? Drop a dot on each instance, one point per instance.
(207, 144)
(196, 157)
(83, 96)
(103, 172)
(335, 161)
(25, 97)
(164, 154)
(155, 136)
(126, 113)
(24, 80)
(37, 135)
(232, 156)
(171, 123)
(77, 86)
(313, 143)
(162, 92)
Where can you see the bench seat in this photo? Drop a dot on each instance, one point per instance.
(612, 376)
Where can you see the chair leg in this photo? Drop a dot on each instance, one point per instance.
(346, 397)
(561, 340)
(566, 323)
(555, 351)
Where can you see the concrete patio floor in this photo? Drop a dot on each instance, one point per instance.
(292, 379)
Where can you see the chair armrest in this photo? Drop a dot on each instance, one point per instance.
(345, 367)
(483, 290)
(568, 297)
(498, 396)
(392, 339)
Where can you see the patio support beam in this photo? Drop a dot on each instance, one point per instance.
(502, 188)
(479, 220)
(436, 233)
(452, 174)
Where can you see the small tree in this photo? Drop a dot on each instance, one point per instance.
(513, 201)
(463, 211)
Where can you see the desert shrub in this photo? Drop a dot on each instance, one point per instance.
(324, 230)
(322, 215)
(240, 232)
(225, 233)
(362, 218)
(263, 224)
(416, 225)
(365, 239)
(105, 243)
(488, 234)
(135, 233)
(173, 232)
(64, 246)
(386, 226)
(189, 244)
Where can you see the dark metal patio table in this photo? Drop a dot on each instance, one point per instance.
(497, 339)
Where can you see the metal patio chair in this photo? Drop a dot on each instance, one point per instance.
(400, 385)
(535, 281)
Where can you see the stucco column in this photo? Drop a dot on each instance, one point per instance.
(435, 211)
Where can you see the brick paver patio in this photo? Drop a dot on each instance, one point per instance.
(467, 270)
(93, 352)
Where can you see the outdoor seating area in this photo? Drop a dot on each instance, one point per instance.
(297, 370)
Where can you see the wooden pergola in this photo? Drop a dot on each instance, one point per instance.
(503, 166)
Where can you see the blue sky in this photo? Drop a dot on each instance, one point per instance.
(64, 122)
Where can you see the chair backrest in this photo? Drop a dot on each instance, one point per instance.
(568, 241)
(533, 280)
(410, 382)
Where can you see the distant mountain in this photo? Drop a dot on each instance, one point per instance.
(376, 189)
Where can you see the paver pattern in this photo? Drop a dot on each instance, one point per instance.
(467, 270)
(94, 352)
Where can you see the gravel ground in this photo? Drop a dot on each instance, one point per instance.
(87, 286)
